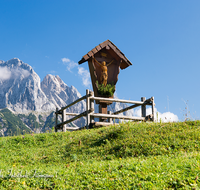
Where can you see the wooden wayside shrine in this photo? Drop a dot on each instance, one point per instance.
(105, 62)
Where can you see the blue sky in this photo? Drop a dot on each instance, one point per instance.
(160, 38)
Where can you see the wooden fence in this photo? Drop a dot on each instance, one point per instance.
(90, 115)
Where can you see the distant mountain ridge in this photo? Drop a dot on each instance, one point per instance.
(20, 88)
(23, 94)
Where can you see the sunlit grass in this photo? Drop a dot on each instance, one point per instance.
(129, 156)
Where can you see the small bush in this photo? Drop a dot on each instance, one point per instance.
(107, 90)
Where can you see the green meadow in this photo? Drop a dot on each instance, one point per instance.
(127, 156)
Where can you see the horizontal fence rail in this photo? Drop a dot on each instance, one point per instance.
(63, 108)
(117, 117)
(75, 118)
(90, 115)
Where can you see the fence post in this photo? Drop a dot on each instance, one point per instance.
(64, 119)
(87, 108)
(56, 122)
(153, 110)
(143, 107)
(92, 106)
(110, 119)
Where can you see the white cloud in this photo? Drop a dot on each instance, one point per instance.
(164, 117)
(83, 73)
(5, 73)
(65, 60)
(70, 64)
(17, 72)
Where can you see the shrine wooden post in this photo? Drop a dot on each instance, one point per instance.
(105, 62)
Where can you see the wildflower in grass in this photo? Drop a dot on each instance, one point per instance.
(13, 165)
(23, 183)
(120, 158)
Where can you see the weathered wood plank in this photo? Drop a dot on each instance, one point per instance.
(80, 99)
(86, 57)
(143, 107)
(94, 50)
(126, 109)
(92, 107)
(107, 47)
(102, 45)
(90, 53)
(92, 74)
(110, 119)
(72, 128)
(119, 53)
(116, 50)
(72, 114)
(64, 119)
(118, 100)
(56, 121)
(81, 61)
(153, 110)
(98, 48)
(118, 117)
(102, 124)
(149, 100)
(75, 118)
(87, 109)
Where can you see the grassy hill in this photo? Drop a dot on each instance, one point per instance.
(128, 156)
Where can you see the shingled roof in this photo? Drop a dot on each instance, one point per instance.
(110, 47)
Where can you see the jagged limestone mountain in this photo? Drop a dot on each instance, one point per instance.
(32, 101)
(20, 88)
(62, 95)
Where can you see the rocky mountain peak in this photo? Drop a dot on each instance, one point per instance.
(58, 92)
(20, 88)
(53, 83)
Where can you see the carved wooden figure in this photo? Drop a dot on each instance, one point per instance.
(104, 71)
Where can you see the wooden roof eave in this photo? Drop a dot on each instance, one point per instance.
(108, 45)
